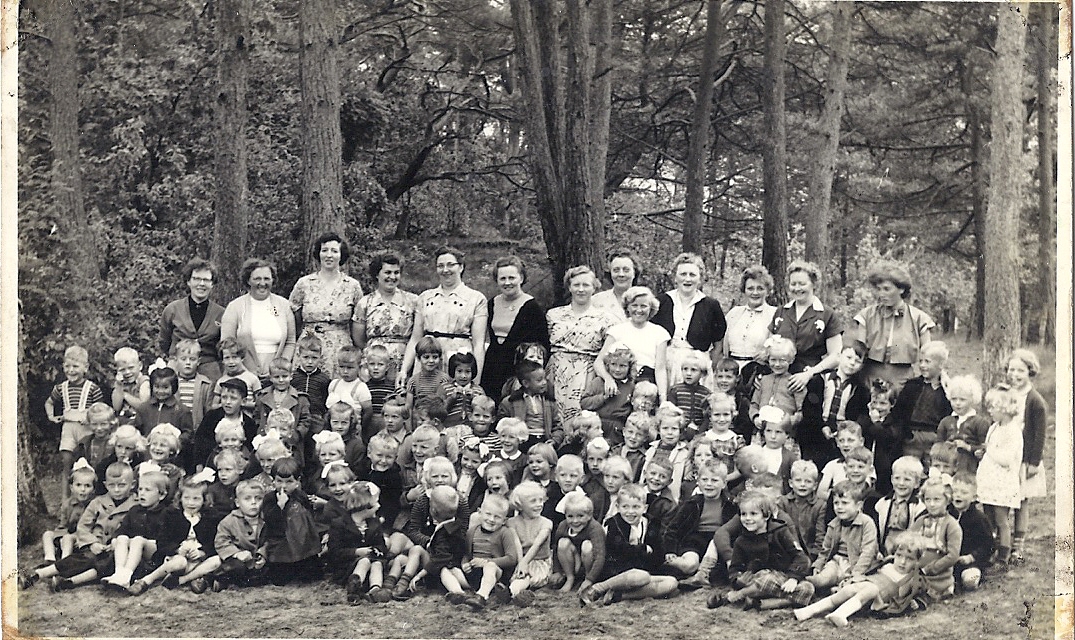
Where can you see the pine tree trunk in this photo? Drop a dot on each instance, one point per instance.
(33, 513)
(697, 151)
(600, 101)
(823, 162)
(1046, 51)
(1006, 180)
(774, 252)
(322, 154)
(232, 208)
(979, 160)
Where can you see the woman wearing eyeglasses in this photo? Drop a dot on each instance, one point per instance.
(453, 313)
(194, 317)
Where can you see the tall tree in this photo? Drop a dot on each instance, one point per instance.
(232, 207)
(561, 143)
(823, 161)
(698, 149)
(1045, 45)
(322, 192)
(774, 250)
(1006, 179)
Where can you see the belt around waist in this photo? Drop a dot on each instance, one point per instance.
(741, 358)
(441, 334)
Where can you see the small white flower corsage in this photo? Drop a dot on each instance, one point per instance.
(820, 324)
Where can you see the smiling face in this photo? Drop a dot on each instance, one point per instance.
(74, 370)
(752, 519)
(509, 444)
(260, 283)
(857, 471)
(338, 484)
(200, 284)
(160, 449)
(725, 381)
(618, 368)
(381, 458)
(532, 505)
(632, 437)
(638, 311)
(230, 441)
(1018, 374)
(779, 361)
(801, 287)
(101, 426)
(903, 484)
(846, 441)
(622, 270)
(439, 477)
(710, 484)
(464, 374)
(720, 418)
(509, 281)
(631, 509)
(430, 362)
(803, 485)
(423, 449)
(754, 293)
(576, 518)
(449, 270)
(388, 278)
(326, 456)
(127, 368)
(329, 255)
(656, 479)
(496, 480)
(963, 495)
(539, 466)
(887, 294)
(469, 460)
(481, 419)
(581, 288)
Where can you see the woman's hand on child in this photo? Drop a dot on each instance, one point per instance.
(827, 432)
(669, 557)
(610, 386)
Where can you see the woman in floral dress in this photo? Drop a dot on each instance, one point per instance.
(385, 316)
(324, 302)
(576, 333)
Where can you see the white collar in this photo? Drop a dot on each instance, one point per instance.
(816, 305)
(677, 300)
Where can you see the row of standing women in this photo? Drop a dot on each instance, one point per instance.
(659, 329)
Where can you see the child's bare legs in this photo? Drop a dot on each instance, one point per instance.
(67, 545)
(490, 574)
(202, 569)
(705, 566)
(398, 543)
(843, 603)
(130, 552)
(686, 564)
(67, 459)
(174, 564)
(574, 562)
(453, 580)
(48, 544)
(636, 584)
(829, 576)
(999, 516)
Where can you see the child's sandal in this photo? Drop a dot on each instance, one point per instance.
(27, 580)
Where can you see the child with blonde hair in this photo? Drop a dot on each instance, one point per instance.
(491, 553)
(922, 402)
(691, 395)
(95, 448)
(645, 397)
(944, 535)
(1023, 367)
(541, 461)
(512, 432)
(230, 465)
(899, 509)
(637, 433)
(693, 523)
(132, 386)
(240, 538)
(534, 533)
(773, 391)
(349, 387)
(150, 532)
(998, 471)
(578, 546)
(613, 409)
(669, 445)
(68, 403)
(356, 544)
(81, 492)
(380, 468)
(128, 446)
(195, 388)
(965, 428)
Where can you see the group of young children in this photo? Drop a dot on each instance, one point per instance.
(842, 496)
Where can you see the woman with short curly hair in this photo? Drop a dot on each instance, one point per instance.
(891, 329)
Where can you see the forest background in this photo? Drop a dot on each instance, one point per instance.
(151, 131)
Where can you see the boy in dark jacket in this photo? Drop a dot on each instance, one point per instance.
(767, 560)
(533, 404)
(444, 551)
(977, 546)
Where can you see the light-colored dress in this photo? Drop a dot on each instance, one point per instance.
(609, 301)
(389, 321)
(575, 341)
(326, 309)
(999, 485)
(748, 329)
(449, 315)
(642, 342)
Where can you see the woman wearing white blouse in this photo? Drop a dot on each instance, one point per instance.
(748, 323)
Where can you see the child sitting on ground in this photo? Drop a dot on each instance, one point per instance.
(965, 428)
(891, 588)
(612, 409)
(150, 532)
(691, 395)
(568, 473)
(442, 557)
(632, 550)
(977, 547)
(68, 404)
(691, 526)
(534, 532)
(659, 502)
(579, 546)
(491, 553)
(897, 510)
(768, 565)
(849, 547)
(292, 538)
(922, 402)
(83, 482)
(240, 539)
(356, 544)
(944, 536)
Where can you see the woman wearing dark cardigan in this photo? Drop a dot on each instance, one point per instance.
(693, 319)
(515, 317)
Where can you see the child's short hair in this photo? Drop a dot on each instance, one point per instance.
(631, 492)
(235, 457)
(569, 462)
(862, 454)
(375, 351)
(168, 433)
(545, 450)
(525, 368)
(441, 464)
(119, 470)
(849, 426)
(1029, 360)
(932, 485)
(645, 389)
(784, 425)
(325, 441)
(286, 467)
(965, 478)
(360, 496)
(78, 354)
(757, 500)
(699, 360)
(194, 483)
(123, 354)
(804, 468)
(100, 411)
(309, 342)
(936, 348)
(916, 543)
(779, 344)
(156, 479)
(660, 463)
(226, 428)
(383, 443)
(166, 375)
(767, 481)
(526, 347)
(720, 399)
(1001, 400)
(432, 407)
(585, 421)
(513, 427)
(526, 489)
(349, 353)
(714, 468)
(443, 500)
(642, 422)
(188, 347)
(882, 389)
(399, 403)
(858, 346)
(911, 465)
(464, 358)
(425, 433)
(966, 384)
(338, 410)
(578, 501)
(944, 452)
(427, 345)
(229, 344)
(338, 469)
(279, 365)
(483, 401)
(617, 464)
(497, 502)
(270, 447)
(749, 459)
(250, 487)
(727, 365)
(281, 419)
(621, 353)
(848, 489)
(598, 445)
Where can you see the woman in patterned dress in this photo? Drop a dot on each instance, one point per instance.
(453, 313)
(623, 270)
(385, 316)
(576, 334)
(324, 302)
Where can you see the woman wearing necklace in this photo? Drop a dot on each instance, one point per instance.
(453, 313)
(515, 317)
(259, 320)
(323, 302)
(385, 316)
(694, 320)
(623, 270)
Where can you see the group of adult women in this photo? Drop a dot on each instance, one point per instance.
(659, 329)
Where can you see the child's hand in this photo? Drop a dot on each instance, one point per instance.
(827, 432)
(97, 548)
(586, 584)
(519, 574)
(317, 501)
(467, 566)
(964, 560)
(978, 453)
(668, 557)
(281, 498)
(1029, 471)
(54, 419)
(244, 556)
(790, 585)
